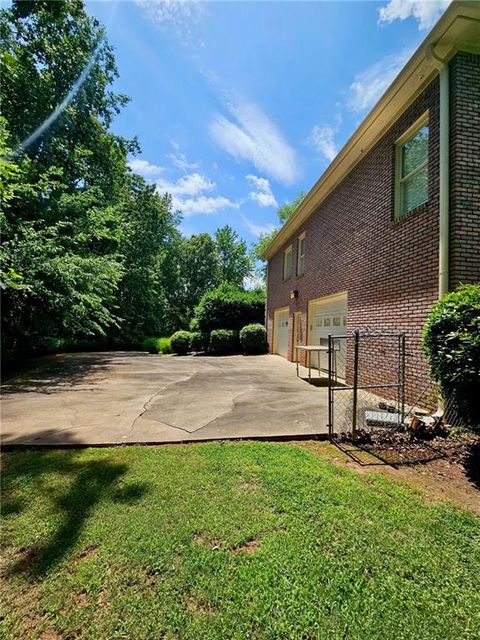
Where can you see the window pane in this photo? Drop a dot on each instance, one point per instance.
(300, 266)
(336, 321)
(415, 190)
(415, 151)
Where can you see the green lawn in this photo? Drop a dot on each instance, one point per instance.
(219, 541)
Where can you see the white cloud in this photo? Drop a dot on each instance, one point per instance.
(203, 204)
(145, 168)
(370, 84)
(176, 14)
(181, 162)
(251, 135)
(188, 195)
(426, 12)
(257, 229)
(323, 140)
(263, 195)
(189, 185)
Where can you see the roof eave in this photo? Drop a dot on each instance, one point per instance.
(458, 28)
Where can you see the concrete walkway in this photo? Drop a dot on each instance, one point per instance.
(124, 397)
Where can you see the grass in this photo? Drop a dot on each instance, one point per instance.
(157, 345)
(220, 541)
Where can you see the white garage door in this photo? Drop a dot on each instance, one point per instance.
(281, 332)
(328, 316)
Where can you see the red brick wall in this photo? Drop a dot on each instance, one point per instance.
(389, 268)
(464, 169)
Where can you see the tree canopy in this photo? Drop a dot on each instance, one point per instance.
(89, 248)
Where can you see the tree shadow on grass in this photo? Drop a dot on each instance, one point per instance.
(87, 483)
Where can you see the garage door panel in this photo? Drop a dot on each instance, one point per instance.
(281, 332)
(329, 317)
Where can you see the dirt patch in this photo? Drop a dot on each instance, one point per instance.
(198, 607)
(248, 485)
(445, 468)
(250, 546)
(50, 634)
(204, 540)
(26, 557)
(87, 553)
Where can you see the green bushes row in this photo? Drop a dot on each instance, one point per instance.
(157, 345)
(251, 340)
(229, 308)
(451, 339)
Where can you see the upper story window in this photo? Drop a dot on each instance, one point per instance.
(287, 263)
(301, 255)
(411, 184)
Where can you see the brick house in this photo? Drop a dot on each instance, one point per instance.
(394, 222)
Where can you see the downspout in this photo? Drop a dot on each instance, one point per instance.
(444, 182)
(444, 174)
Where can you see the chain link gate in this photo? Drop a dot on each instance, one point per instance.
(366, 390)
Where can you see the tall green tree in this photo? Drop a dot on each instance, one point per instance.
(149, 286)
(235, 262)
(200, 269)
(62, 228)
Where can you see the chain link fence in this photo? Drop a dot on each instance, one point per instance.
(367, 382)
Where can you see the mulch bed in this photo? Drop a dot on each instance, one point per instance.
(398, 447)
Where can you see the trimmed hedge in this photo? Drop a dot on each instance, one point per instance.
(253, 339)
(223, 342)
(451, 340)
(229, 308)
(200, 341)
(157, 345)
(181, 342)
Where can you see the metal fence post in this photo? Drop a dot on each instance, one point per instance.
(402, 339)
(330, 390)
(355, 384)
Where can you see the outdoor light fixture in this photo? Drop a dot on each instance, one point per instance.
(293, 294)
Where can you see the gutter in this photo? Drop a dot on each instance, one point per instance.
(444, 175)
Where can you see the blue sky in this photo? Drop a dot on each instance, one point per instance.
(238, 106)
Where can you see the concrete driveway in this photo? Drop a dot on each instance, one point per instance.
(124, 397)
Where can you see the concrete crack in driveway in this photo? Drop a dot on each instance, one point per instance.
(149, 400)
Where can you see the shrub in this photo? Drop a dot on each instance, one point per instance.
(223, 342)
(157, 345)
(200, 341)
(253, 339)
(229, 308)
(451, 340)
(181, 342)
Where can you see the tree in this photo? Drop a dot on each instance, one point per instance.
(62, 229)
(235, 264)
(200, 270)
(147, 291)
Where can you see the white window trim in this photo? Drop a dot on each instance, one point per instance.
(300, 237)
(410, 133)
(287, 251)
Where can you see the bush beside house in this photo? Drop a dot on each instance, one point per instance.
(451, 340)
(200, 341)
(253, 339)
(181, 342)
(223, 342)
